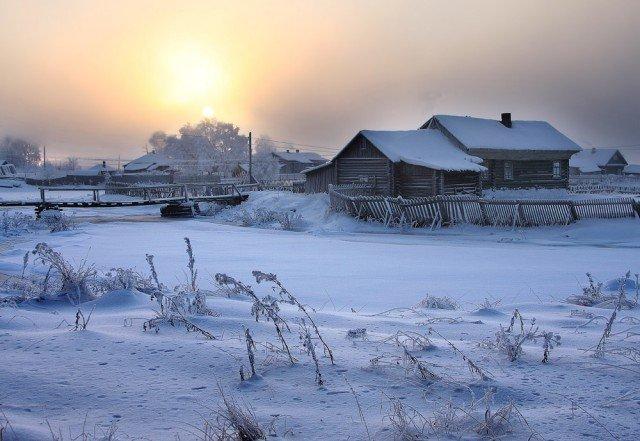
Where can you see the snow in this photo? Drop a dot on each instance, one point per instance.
(632, 169)
(548, 194)
(148, 162)
(297, 156)
(483, 133)
(95, 170)
(158, 386)
(427, 148)
(591, 160)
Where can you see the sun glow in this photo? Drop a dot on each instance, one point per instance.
(193, 76)
(207, 112)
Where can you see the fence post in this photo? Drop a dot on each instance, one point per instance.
(483, 212)
(42, 195)
(574, 213)
(521, 214)
(442, 208)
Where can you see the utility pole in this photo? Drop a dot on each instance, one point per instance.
(44, 161)
(250, 160)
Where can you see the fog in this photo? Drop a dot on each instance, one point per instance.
(94, 79)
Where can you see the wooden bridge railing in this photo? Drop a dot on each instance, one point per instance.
(456, 209)
(185, 191)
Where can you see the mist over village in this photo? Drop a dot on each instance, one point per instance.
(355, 220)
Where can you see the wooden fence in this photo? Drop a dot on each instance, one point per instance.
(447, 210)
(605, 184)
(185, 190)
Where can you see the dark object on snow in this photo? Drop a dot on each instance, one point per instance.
(45, 207)
(182, 209)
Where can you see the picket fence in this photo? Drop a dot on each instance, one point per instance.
(437, 211)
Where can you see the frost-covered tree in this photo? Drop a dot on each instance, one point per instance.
(209, 146)
(70, 164)
(19, 152)
(158, 140)
(265, 165)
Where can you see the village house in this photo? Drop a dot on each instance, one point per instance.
(632, 170)
(150, 163)
(517, 154)
(7, 170)
(407, 163)
(292, 162)
(597, 161)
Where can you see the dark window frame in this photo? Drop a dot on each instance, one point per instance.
(508, 170)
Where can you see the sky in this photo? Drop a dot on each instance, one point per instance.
(95, 79)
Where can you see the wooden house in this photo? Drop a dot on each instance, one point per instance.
(597, 161)
(517, 154)
(150, 163)
(407, 163)
(292, 162)
(632, 170)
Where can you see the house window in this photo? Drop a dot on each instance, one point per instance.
(557, 172)
(508, 171)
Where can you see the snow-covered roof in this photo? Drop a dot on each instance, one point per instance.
(426, 147)
(150, 161)
(94, 170)
(491, 134)
(591, 160)
(316, 167)
(633, 169)
(297, 156)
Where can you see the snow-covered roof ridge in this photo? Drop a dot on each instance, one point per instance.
(148, 161)
(591, 160)
(482, 133)
(426, 147)
(632, 168)
(298, 156)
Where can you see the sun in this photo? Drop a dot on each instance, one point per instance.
(207, 112)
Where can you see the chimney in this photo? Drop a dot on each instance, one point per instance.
(506, 120)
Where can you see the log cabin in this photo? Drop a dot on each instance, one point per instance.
(517, 154)
(407, 163)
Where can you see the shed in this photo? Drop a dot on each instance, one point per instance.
(408, 163)
(597, 161)
(517, 154)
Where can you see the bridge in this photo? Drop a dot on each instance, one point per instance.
(179, 199)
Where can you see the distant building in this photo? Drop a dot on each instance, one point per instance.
(405, 163)
(632, 169)
(7, 170)
(598, 161)
(517, 154)
(296, 161)
(150, 163)
(100, 169)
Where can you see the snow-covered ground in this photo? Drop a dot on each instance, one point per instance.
(356, 275)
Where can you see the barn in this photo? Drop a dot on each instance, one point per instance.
(405, 163)
(517, 154)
